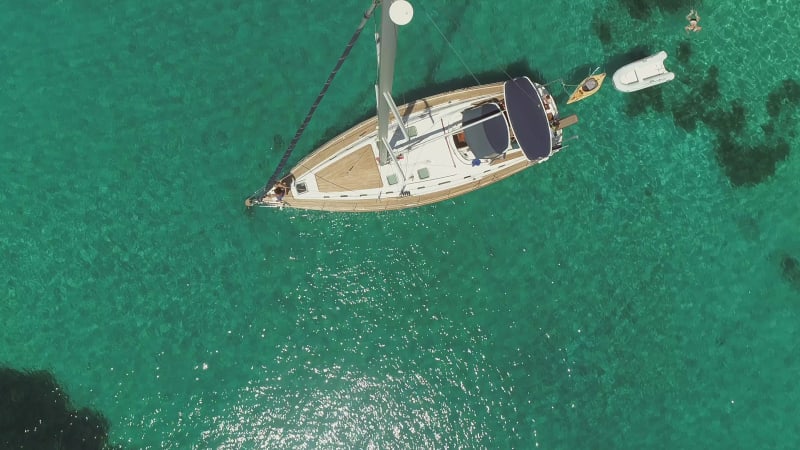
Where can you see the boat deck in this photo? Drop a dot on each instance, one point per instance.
(516, 163)
(332, 147)
(360, 171)
(356, 171)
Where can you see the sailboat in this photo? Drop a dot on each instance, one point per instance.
(425, 151)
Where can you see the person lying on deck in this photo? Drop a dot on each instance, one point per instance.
(277, 195)
(280, 190)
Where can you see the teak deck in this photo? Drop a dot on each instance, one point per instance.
(358, 170)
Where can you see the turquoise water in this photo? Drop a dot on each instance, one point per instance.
(639, 290)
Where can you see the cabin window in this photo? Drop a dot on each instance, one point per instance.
(423, 173)
(392, 179)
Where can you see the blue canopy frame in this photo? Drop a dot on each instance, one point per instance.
(489, 136)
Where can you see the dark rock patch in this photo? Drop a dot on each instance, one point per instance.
(790, 268)
(35, 413)
(684, 53)
(748, 165)
(602, 29)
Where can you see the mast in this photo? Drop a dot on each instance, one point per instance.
(393, 13)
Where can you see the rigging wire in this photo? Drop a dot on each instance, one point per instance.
(320, 96)
(450, 44)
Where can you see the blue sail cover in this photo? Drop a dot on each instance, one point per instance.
(528, 118)
(490, 137)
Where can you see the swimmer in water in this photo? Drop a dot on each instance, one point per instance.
(693, 19)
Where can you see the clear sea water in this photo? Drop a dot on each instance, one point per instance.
(639, 290)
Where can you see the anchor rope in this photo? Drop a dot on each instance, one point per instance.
(320, 96)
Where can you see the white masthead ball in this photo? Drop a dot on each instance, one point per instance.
(401, 12)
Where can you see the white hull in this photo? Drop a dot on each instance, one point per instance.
(344, 175)
(643, 74)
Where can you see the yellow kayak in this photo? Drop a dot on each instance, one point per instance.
(588, 87)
